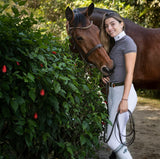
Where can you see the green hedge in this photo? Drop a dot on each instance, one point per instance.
(49, 107)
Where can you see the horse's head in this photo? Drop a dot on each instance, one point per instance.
(85, 36)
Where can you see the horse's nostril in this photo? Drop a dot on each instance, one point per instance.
(105, 69)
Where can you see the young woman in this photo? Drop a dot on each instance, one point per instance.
(122, 95)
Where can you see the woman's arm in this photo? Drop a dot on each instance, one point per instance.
(130, 60)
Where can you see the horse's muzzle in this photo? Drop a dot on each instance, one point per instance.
(106, 71)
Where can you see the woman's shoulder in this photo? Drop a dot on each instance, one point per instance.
(129, 44)
(128, 39)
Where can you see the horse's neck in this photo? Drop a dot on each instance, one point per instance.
(132, 29)
(136, 31)
(98, 13)
(141, 34)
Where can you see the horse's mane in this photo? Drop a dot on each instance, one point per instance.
(78, 18)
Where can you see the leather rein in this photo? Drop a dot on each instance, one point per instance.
(131, 134)
(84, 55)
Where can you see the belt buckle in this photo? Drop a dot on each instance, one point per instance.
(113, 85)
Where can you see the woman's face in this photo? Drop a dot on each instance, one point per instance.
(113, 27)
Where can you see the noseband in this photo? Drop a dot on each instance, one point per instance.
(83, 55)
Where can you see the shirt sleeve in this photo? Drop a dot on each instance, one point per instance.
(130, 46)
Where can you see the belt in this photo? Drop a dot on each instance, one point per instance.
(116, 84)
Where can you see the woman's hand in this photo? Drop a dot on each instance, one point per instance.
(123, 106)
(105, 80)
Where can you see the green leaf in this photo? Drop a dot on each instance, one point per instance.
(21, 3)
(32, 124)
(61, 65)
(16, 73)
(55, 103)
(21, 122)
(45, 136)
(109, 122)
(32, 94)
(82, 140)
(61, 144)
(15, 10)
(28, 140)
(19, 130)
(41, 58)
(5, 6)
(20, 100)
(73, 87)
(23, 109)
(72, 77)
(31, 77)
(77, 99)
(64, 78)
(66, 106)
(85, 87)
(28, 77)
(57, 86)
(71, 98)
(69, 148)
(62, 93)
(28, 41)
(85, 125)
(143, 12)
(24, 12)
(14, 105)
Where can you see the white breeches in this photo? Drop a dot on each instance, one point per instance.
(114, 98)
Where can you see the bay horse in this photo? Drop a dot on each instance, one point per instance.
(85, 37)
(146, 74)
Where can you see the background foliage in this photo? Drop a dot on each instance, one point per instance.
(49, 106)
(143, 12)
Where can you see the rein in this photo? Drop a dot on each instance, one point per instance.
(132, 132)
(84, 55)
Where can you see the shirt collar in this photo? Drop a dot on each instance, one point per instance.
(119, 36)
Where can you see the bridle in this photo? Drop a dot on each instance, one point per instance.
(83, 55)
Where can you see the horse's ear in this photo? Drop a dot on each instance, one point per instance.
(69, 14)
(90, 9)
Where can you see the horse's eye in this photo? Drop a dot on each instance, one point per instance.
(79, 38)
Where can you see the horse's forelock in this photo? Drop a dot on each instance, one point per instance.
(79, 18)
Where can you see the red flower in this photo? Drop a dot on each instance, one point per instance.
(42, 92)
(103, 123)
(105, 102)
(17, 63)
(4, 69)
(35, 115)
(41, 65)
(53, 52)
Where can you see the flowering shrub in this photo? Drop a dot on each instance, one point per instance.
(49, 108)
